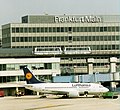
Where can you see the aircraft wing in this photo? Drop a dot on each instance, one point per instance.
(59, 92)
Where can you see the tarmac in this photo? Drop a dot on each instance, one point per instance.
(57, 103)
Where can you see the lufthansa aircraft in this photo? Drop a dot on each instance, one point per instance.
(65, 89)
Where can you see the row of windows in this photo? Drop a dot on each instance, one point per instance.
(92, 47)
(78, 65)
(4, 67)
(65, 38)
(81, 58)
(64, 29)
(5, 79)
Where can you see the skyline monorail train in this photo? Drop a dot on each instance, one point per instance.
(47, 50)
(58, 50)
(77, 50)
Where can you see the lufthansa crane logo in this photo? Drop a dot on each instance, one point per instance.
(28, 76)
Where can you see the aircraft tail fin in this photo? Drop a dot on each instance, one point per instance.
(29, 77)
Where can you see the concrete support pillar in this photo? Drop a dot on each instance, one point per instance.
(17, 82)
(113, 61)
(90, 62)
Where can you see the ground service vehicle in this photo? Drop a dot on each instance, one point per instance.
(1, 93)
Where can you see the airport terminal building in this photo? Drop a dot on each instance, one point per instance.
(101, 33)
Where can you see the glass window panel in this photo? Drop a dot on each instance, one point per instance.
(105, 28)
(30, 30)
(54, 39)
(82, 29)
(17, 30)
(30, 39)
(41, 64)
(42, 29)
(78, 29)
(13, 39)
(62, 29)
(58, 29)
(62, 38)
(117, 29)
(21, 30)
(101, 29)
(50, 39)
(66, 38)
(38, 29)
(113, 38)
(97, 29)
(117, 38)
(34, 29)
(16, 66)
(26, 39)
(58, 38)
(75, 38)
(38, 39)
(21, 39)
(46, 39)
(42, 39)
(13, 30)
(34, 39)
(4, 66)
(37, 65)
(89, 29)
(25, 30)
(17, 39)
(54, 66)
(105, 38)
(93, 29)
(70, 29)
(85, 29)
(66, 29)
(54, 29)
(109, 29)
(113, 29)
(109, 38)
(50, 29)
(74, 29)
(48, 65)
(101, 38)
(46, 29)
(78, 38)
(8, 67)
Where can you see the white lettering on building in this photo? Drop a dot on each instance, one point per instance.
(75, 19)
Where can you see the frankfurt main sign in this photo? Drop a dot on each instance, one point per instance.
(77, 19)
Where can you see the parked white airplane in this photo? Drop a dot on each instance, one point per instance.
(65, 89)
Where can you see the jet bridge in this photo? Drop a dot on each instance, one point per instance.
(97, 77)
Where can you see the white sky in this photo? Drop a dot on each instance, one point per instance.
(13, 10)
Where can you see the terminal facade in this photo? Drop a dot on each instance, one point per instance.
(11, 72)
(99, 32)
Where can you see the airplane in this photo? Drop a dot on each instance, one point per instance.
(65, 89)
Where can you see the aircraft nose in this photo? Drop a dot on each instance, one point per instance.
(106, 89)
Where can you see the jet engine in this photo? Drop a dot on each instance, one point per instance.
(73, 94)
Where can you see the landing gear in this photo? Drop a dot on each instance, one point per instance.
(65, 96)
(86, 93)
(43, 96)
